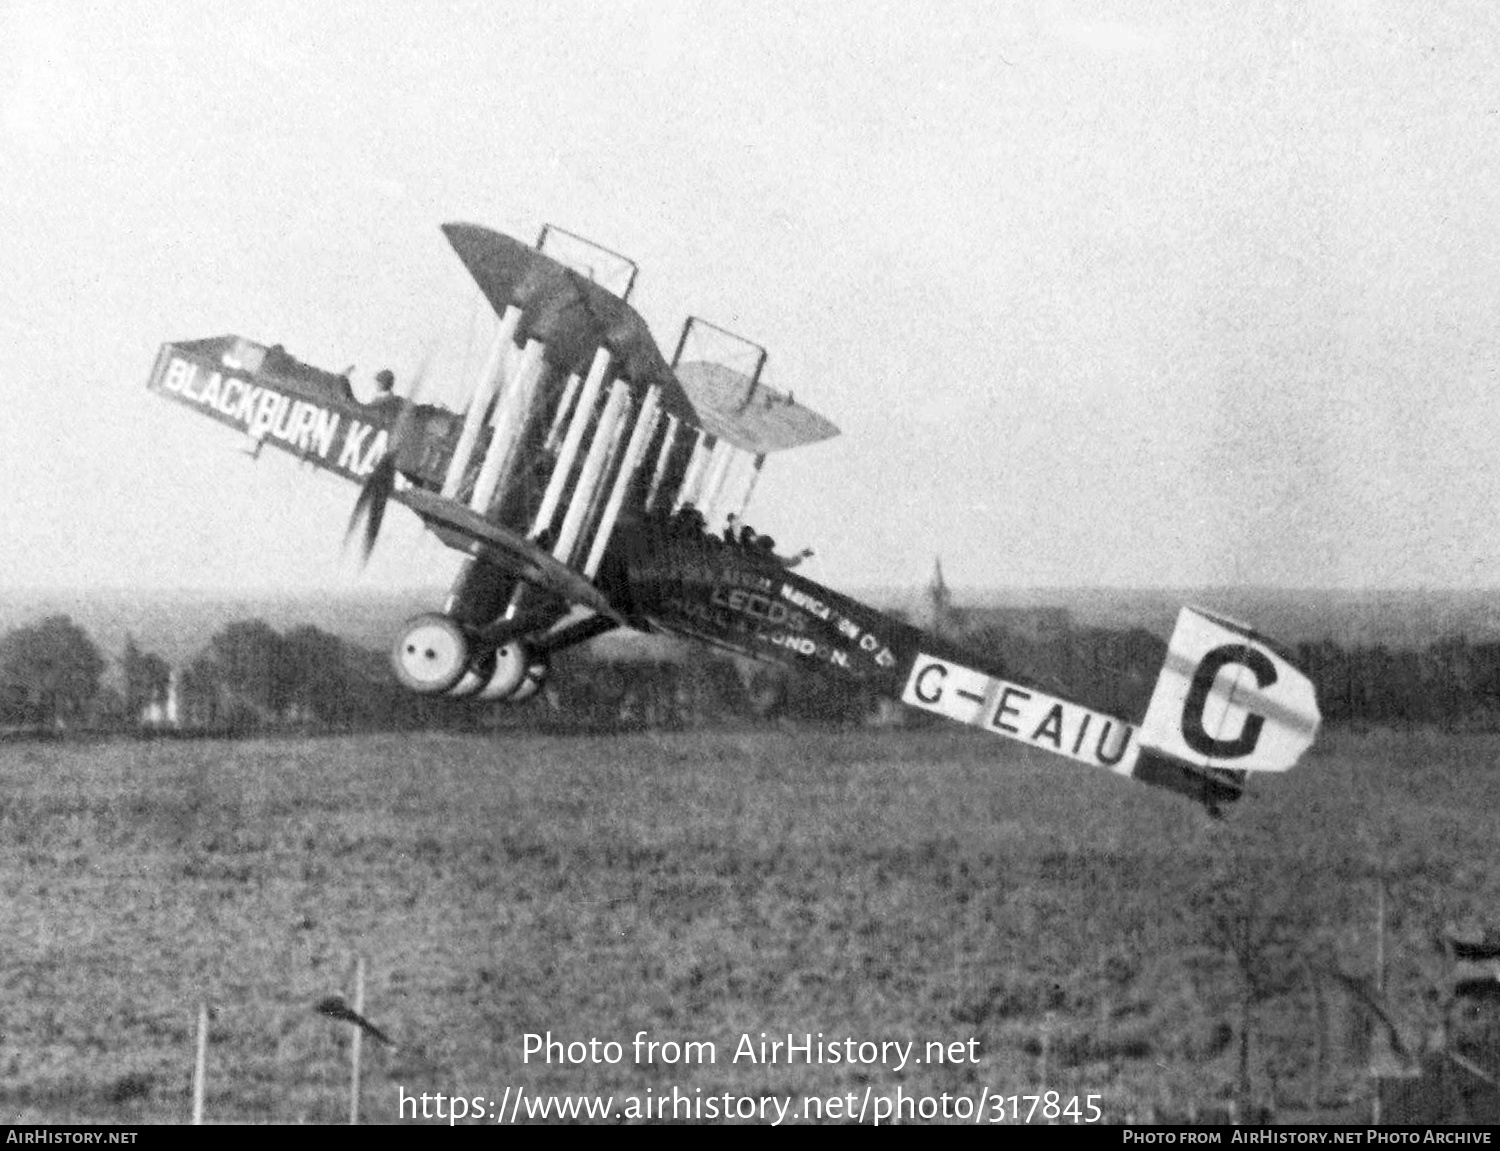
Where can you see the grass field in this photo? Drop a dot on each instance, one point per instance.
(910, 885)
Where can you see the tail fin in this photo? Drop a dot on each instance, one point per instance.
(1226, 701)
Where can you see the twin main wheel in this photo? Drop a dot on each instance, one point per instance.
(432, 655)
(516, 675)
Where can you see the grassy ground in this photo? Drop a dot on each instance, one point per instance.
(1093, 936)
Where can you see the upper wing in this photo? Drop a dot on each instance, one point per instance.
(747, 413)
(570, 314)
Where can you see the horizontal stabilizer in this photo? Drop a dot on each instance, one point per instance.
(1209, 786)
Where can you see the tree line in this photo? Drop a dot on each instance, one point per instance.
(249, 676)
(54, 676)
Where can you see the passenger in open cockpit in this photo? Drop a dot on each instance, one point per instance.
(689, 520)
(765, 548)
(792, 561)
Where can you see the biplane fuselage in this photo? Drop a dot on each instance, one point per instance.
(588, 483)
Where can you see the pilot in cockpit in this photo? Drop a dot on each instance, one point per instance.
(385, 388)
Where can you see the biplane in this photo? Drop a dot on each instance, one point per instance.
(590, 483)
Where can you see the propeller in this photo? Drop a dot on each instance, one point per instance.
(369, 506)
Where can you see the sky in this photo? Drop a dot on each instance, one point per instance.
(1116, 294)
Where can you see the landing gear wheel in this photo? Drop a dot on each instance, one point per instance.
(536, 675)
(431, 654)
(511, 662)
(479, 673)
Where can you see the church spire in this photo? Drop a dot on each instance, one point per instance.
(939, 598)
